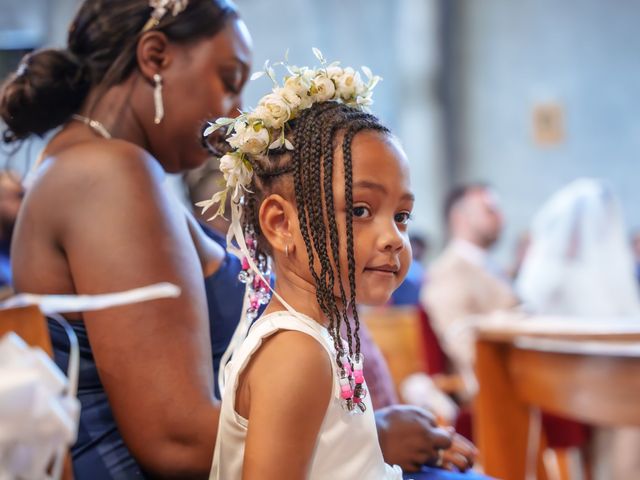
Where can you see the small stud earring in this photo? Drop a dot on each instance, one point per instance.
(157, 99)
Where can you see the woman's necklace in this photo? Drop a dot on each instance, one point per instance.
(94, 125)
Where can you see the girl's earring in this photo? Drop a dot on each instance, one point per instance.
(157, 99)
(286, 250)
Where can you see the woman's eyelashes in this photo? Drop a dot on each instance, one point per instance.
(233, 80)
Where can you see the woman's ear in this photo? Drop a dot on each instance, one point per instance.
(153, 54)
(278, 219)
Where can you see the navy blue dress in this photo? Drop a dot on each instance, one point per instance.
(100, 452)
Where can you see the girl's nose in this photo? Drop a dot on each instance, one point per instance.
(391, 239)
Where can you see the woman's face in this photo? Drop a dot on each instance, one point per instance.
(204, 82)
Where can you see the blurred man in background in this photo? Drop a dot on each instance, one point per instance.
(463, 281)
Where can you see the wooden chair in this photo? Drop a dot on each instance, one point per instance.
(589, 377)
(31, 326)
(396, 332)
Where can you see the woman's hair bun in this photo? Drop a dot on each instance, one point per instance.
(46, 89)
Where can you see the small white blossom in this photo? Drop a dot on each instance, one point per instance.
(252, 139)
(334, 72)
(324, 89)
(274, 111)
(300, 86)
(349, 84)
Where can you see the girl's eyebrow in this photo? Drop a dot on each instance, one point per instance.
(380, 188)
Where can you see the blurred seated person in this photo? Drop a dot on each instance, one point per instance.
(463, 281)
(408, 293)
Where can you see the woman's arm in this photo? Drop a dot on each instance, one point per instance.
(286, 387)
(209, 252)
(119, 230)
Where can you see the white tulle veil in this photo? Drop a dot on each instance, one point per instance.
(579, 261)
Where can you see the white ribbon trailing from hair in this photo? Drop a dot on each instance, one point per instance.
(236, 234)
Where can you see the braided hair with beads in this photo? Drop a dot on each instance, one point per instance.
(317, 133)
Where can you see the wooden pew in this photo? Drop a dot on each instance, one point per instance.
(585, 371)
(396, 332)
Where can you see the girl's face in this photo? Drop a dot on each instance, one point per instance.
(382, 204)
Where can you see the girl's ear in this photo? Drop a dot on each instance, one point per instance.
(153, 54)
(278, 220)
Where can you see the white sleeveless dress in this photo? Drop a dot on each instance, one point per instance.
(347, 445)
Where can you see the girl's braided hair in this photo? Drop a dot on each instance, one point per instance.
(317, 133)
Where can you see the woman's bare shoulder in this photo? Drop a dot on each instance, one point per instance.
(94, 171)
(98, 160)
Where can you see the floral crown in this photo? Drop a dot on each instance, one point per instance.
(255, 133)
(161, 8)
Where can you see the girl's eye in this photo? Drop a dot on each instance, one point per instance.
(402, 218)
(361, 212)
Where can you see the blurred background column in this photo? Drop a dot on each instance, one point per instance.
(419, 106)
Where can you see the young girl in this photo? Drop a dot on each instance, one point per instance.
(321, 189)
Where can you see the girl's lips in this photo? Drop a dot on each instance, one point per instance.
(389, 270)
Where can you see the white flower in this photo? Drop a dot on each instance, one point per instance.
(334, 72)
(300, 86)
(349, 84)
(252, 139)
(273, 110)
(256, 140)
(290, 96)
(323, 89)
(237, 138)
(236, 173)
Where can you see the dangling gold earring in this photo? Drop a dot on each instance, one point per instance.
(157, 99)
(286, 250)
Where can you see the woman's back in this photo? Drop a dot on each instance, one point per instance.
(129, 94)
(64, 191)
(74, 235)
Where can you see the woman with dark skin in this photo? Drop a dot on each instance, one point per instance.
(96, 219)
